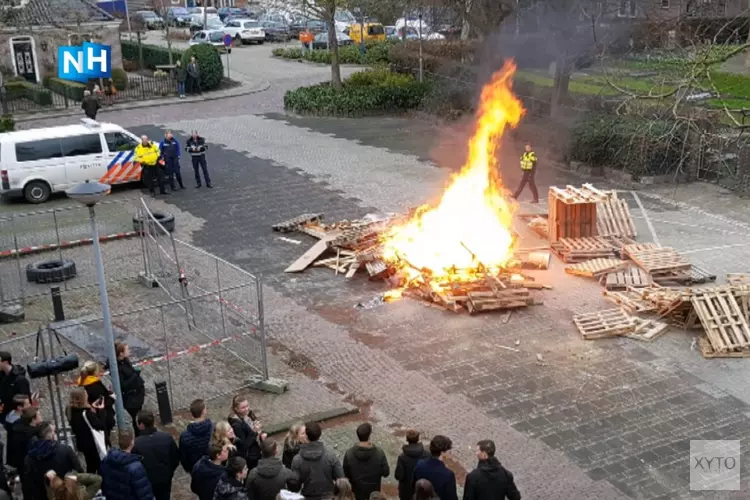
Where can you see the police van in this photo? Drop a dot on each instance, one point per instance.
(36, 163)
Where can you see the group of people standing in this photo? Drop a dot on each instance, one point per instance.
(160, 162)
(188, 77)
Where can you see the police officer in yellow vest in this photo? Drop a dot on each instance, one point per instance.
(147, 153)
(528, 167)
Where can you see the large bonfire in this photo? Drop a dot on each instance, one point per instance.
(468, 233)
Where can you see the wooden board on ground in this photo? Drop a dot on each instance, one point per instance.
(311, 255)
(603, 324)
(648, 330)
(693, 276)
(631, 277)
(582, 249)
(595, 267)
(613, 217)
(707, 351)
(722, 318)
(660, 260)
(629, 300)
(738, 279)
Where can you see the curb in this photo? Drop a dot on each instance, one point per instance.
(319, 417)
(21, 252)
(171, 101)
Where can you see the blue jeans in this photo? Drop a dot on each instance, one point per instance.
(181, 88)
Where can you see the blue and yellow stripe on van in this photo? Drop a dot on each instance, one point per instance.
(122, 169)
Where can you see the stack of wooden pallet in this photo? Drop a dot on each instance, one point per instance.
(582, 249)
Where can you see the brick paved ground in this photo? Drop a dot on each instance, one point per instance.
(606, 419)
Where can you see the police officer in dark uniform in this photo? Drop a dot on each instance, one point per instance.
(170, 153)
(197, 147)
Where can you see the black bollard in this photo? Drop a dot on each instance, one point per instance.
(57, 305)
(162, 399)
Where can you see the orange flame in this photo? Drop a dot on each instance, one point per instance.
(471, 226)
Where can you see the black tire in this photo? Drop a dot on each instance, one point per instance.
(165, 219)
(51, 271)
(37, 192)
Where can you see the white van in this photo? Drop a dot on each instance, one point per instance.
(36, 163)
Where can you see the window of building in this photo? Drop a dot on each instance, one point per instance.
(81, 145)
(44, 149)
(664, 4)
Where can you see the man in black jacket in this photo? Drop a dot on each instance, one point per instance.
(411, 453)
(316, 466)
(197, 148)
(13, 381)
(195, 439)
(160, 455)
(170, 153)
(365, 464)
(208, 471)
(90, 105)
(266, 480)
(46, 454)
(490, 480)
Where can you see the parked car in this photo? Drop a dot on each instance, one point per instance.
(212, 23)
(372, 32)
(321, 40)
(245, 31)
(178, 16)
(311, 25)
(225, 12)
(213, 37)
(276, 32)
(150, 19)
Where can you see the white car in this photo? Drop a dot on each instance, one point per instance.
(213, 37)
(245, 31)
(39, 162)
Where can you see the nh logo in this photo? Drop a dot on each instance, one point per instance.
(91, 60)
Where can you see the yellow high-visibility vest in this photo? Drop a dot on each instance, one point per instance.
(528, 160)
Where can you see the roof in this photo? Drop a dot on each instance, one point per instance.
(54, 13)
(55, 132)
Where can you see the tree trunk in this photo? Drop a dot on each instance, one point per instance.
(465, 24)
(747, 51)
(334, 47)
(561, 83)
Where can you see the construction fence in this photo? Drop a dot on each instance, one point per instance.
(191, 319)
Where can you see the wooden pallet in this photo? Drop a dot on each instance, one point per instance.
(596, 267)
(628, 250)
(738, 279)
(693, 276)
(582, 249)
(613, 217)
(293, 224)
(631, 301)
(603, 324)
(648, 330)
(660, 261)
(707, 351)
(631, 277)
(571, 195)
(722, 318)
(538, 223)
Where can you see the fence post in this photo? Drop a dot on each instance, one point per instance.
(262, 328)
(167, 356)
(221, 299)
(65, 96)
(143, 88)
(18, 259)
(59, 243)
(57, 383)
(57, 304)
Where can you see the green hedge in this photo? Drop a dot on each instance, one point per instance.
(632, 144)
(119, 79)
(7, 124)
(153, 55)
(25, 90)
(71, 90)
(366, 93)
(375, 53)
(209, 62)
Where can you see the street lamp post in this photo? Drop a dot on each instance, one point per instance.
(89, 194)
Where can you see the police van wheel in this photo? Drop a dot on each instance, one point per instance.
(164, 218)
(51, 271)
(37, 192)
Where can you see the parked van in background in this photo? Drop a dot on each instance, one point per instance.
(36, 163)
(374, 32)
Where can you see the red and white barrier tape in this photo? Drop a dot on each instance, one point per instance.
(65, 244)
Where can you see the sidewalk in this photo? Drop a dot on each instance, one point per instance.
(247, 87)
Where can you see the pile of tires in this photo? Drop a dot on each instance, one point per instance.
(51, 271)
(164, 218)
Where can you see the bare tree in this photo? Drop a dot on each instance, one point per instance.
(160, 7)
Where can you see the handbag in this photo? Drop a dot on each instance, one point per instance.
(101, 444)
(40, 368)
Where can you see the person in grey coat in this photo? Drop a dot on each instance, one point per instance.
(181, 76)
(316, 467)
(193, 77)
(270, 476)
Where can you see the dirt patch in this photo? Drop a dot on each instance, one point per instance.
(457, 469)
(369, 339)
(297, 362)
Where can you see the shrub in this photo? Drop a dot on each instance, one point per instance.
(119, 79)
(72, 90)
(375, 92)
(632, 144)
(209, 62)
(21, 89)
(375, 53)
(153, 55)
(7, 124)
(129, 65)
